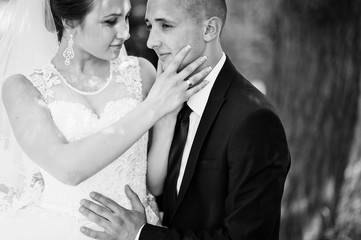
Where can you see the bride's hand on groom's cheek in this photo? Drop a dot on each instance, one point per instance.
(118, 222)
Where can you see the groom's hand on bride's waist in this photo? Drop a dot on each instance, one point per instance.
(118, 222)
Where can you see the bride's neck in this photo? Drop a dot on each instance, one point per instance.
(82, 62)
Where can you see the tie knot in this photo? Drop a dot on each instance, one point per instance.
(184, 112)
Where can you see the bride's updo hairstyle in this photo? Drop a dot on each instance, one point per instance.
(71, 10)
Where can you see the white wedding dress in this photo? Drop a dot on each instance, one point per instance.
(55, 215)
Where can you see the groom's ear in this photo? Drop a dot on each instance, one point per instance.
(213, 27)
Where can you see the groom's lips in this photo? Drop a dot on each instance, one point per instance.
(163, 56)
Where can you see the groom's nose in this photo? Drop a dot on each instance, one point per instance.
(153, 40)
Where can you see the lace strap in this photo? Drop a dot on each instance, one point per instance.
(128, 70)
(43, 79)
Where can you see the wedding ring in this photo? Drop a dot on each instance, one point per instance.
(189, 83)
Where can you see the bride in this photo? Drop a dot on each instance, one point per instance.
(82, 117)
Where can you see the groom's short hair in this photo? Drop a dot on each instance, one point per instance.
(206, 8)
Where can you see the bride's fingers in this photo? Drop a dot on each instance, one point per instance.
(195, 79)
(190, 92)
(188, 70)
(160, 69)
(178, 59)
(197, 82)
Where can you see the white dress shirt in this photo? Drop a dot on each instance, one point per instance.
(197, 103)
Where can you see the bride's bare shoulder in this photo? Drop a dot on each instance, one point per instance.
(18, 86)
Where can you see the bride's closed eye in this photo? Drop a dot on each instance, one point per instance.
(111, 22)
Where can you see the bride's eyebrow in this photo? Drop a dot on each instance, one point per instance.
(113, 15)
(117, 14)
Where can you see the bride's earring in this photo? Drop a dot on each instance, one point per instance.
(69, 51)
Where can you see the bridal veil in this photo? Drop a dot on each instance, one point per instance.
(25, 44)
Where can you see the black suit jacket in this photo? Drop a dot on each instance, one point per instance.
(234, 178)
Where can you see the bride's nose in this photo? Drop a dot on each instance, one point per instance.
(123, 32)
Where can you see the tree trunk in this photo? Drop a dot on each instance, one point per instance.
(315, 85)
(348, 222)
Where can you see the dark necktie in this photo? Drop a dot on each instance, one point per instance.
(176, 150)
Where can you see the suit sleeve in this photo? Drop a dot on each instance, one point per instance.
(258, 163)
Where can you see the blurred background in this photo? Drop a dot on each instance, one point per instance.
(305, 55)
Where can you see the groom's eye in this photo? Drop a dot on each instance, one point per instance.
(166, 26)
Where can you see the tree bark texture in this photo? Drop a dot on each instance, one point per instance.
(314, 82)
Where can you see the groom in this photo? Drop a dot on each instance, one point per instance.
(228, 181)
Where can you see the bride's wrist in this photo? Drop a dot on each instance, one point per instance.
(154, 109)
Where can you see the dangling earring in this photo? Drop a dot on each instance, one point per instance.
(69, 51)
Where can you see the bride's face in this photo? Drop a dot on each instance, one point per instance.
(105, 29)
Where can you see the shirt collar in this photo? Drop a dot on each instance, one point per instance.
(198, 101)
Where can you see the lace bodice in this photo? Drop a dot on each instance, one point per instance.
(76, 121)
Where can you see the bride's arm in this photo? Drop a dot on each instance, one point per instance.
(74, 162)
(162, 135)
(69, 162)
(158, 153)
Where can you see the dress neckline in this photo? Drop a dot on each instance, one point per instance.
(63, 79)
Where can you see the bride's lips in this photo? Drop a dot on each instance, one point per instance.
(117, 46)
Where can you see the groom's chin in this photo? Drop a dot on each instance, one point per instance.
(168, 62)
(165, 63)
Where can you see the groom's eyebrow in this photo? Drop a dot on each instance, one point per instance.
(158, 20)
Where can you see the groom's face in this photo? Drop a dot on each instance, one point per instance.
(172, 28)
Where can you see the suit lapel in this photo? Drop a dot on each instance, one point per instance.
(213, 106)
